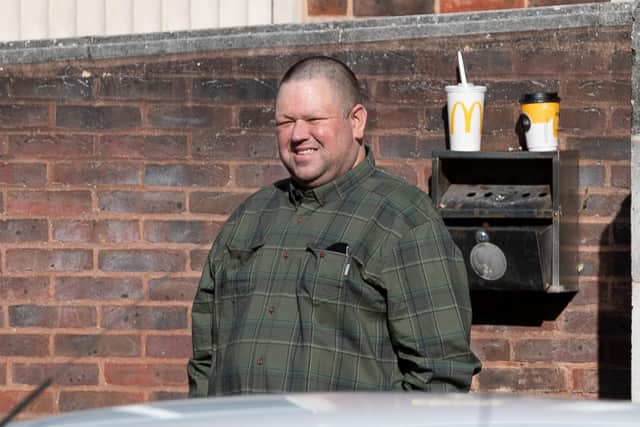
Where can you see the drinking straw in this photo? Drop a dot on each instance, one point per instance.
(463, 76)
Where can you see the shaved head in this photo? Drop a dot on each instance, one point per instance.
(341, 78)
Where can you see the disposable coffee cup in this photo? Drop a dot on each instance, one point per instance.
(465, 109)
(539, 119)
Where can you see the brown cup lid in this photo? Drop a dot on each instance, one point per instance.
(529, 98)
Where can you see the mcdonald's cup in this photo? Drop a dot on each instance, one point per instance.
(465, 109)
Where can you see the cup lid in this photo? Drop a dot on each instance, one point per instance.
(529, 98)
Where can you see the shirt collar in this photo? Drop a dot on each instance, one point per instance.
(336, 189)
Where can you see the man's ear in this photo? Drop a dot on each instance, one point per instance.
(358, 119)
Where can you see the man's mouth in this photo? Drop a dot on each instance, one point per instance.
(304, 151)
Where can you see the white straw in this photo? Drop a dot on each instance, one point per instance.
(463, 75)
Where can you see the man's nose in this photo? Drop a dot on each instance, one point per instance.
(300, 130)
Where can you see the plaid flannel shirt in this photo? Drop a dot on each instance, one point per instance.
(279, 309)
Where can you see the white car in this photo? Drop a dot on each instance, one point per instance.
(357, 410)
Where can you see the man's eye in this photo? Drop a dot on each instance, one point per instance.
(284, 123)
(316, 120)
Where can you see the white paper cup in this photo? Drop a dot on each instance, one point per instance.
(465, 109)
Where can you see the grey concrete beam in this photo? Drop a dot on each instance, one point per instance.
(338, 32)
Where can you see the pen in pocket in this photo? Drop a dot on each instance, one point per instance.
(346, 267)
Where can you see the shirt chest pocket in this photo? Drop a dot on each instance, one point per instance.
(240, 269)
(324, 275)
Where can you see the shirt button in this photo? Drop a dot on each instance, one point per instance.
(299, 219)
(272, 310)
(322, 254)
(260, 362)
(285, 254)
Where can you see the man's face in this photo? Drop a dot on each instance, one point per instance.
(317, 140)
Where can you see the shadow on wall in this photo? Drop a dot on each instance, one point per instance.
(614, 307)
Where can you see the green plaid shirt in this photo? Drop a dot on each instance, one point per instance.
(278, 309)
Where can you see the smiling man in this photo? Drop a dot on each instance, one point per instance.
(342, 277)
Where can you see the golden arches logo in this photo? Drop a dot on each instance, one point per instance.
(467, 115)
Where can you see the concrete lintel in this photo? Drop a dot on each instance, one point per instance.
(336, 32)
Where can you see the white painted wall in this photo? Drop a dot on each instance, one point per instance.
(37, 19)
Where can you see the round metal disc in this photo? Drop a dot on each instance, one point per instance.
(488, 261)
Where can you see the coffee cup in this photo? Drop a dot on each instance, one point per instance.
(539, 120)
(465, 110)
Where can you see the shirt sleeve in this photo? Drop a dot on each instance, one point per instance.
(202, 329)
(429, 310)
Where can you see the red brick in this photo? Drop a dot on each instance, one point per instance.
(615, 263)
(593, 234)
(382, 118)
(23, 174)
(136, 318)
(23, 260)
(197, 259)
(77, 400)
(24, 345)
(44, 404)
(621, 60)
(181, 231)
(621, 176)
(257, 118)
(49, 203)
(540, 3)
(97, 117)
(382, 62)
(141, 260)
(64, 374)
(601, 148)
(143, 147)
(186, 175)
(68, 146)
(585, 380)
(591, 176)
(573, 350)
(244, 90)
(491, 349)
(256, 176)
(23, 116)
(540, 61)
(588, 293)
(53, 88)
(216, 203)
(96, 173)
(621, 119)
(24, 288)
(326, 7)
(449, 6)
(523, 379)
(408, 147)
(87, 231)
(37, 316)
(404, 171)
(23, 230)
(124, 87)
(411, 92)
(141, 201)
(617, 91)
(605, 205)
(583, 119)
(192, 67)
(3, 373)
(145, 374)
(169, 346)
(434, 119)
(97, 345)
(391, 7)
(181, 116)
(579, 322)
(224, 146)
(173, 288)
(511, 91)
(98, 288)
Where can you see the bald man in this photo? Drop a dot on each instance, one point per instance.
(341, 277)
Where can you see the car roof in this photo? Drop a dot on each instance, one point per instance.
(356, 410)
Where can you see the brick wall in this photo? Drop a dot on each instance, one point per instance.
(115, 176)
(349, 9)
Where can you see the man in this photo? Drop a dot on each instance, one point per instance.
(342, 277)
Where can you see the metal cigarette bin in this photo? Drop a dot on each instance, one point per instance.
(513, 215)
